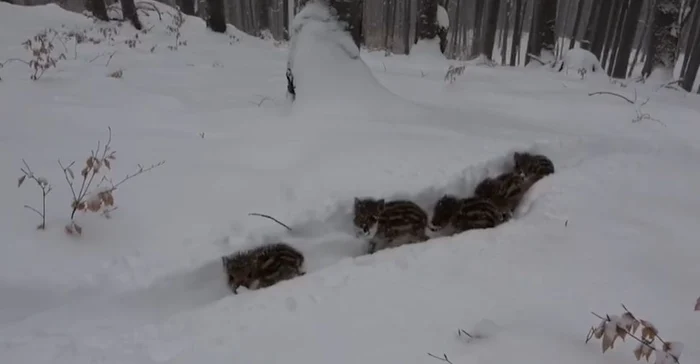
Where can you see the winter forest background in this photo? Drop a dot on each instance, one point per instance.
(629, 37)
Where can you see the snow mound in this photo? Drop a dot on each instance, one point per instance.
(443, 18)
(578, 58)
(427, 51)
(326, 63)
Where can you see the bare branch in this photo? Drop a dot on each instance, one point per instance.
(7, 61)
(35, 210)
(611, 93)
(271, 218)
(138, 172)
(444, 358)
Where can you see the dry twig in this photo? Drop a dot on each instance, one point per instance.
(271, 218)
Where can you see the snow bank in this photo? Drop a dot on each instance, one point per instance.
(146, 286)
(327, 66)
(578, 58)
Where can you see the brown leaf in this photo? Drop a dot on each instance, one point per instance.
(106, 162)
(21, 180)
(94, 205)
(621, 332)
(81, 206)
(107, 198)
(649, 332)
(697, 305)
(84, 172)
(630, 322)
(608, 342)
(599, 331)
(643, 351)
(89, 162)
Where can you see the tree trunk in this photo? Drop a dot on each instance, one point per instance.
(217, 16)
(547, 18)
(490, 32)
(662, 45)
(98, 9)
(187, 7)
(129, 13)
(427, 19)
(692, 53)
(629, 30)
(601, 27)
(350, 12)
(577, 24)
(612, 23)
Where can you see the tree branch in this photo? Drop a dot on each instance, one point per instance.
(271, 218)
(444, 358)
(611, 93)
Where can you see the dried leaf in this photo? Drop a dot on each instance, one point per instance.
(107, 198)
(81, 206)
(94, 205)
(84, 172)
(70, 172)
(649, 332)
(608, 342)
(673, 348)
(89, 162)
(621, 332)
(78, 229)
(697, 305)
(69, 230)
(21, 180)
(643, 351)
(600, 330)
(106, 162)
(629, 322)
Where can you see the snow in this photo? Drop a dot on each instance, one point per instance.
(442, 18)
(577, 58)
(615, 224)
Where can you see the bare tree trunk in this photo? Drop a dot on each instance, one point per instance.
(427, 19)
(187, 6)
(662, 45)
(547, 18)
(350, 12)
(601, 28)
(217, 16)
(692, 52)
(98, 9)
(129, 13)
(490, 32)
(627, 34)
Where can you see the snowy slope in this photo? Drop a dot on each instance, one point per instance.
(616, 223)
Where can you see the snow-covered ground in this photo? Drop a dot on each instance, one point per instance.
(615, 224)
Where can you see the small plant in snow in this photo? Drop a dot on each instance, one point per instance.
(116, 74)
(637, 106)
(582, 72)
(174, 28)
(45, 187)
(131, 43)
(613, 327)
(41, 48)
(232, 39)
(453, 72)
(101, 198)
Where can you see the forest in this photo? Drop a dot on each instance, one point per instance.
(629, 37)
